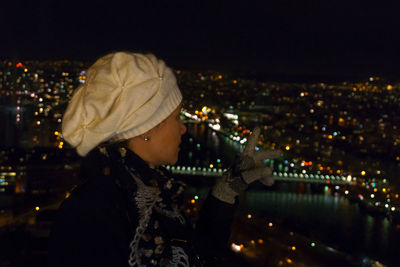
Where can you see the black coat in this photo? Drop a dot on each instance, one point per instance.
(97, 223)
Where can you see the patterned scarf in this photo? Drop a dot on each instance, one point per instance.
(155, 199)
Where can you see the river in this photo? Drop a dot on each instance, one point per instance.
(316, 212)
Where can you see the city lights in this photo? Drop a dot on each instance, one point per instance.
(235, 247)
(323, 130)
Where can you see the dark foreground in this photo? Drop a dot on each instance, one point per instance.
(254, 242)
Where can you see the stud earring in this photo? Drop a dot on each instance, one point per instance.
(146, 138)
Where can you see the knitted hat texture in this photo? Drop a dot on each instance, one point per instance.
(125, 95)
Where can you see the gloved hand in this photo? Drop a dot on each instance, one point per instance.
(247, 169)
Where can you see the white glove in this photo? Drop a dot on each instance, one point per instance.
(247, 169)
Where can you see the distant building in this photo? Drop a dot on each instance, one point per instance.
(8, 132)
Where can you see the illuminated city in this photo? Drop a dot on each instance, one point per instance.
(321, 79)
(334, 145)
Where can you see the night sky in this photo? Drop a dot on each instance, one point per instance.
(282, 36)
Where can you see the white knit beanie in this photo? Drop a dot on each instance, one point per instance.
(125, 95)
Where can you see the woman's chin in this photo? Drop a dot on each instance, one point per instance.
(171, 161)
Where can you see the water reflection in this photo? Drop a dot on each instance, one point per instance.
(327, 217)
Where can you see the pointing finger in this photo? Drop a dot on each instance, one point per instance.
(267, 180)
(252, 142)
(267, 154)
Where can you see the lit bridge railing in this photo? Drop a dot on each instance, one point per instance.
(278, 176)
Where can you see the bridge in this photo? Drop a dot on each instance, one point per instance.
(369, 191)
(278, 176)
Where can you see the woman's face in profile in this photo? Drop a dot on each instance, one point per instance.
(166, 138)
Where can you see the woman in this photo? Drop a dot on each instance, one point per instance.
(125, 122)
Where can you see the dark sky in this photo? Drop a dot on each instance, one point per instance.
(281, 36)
